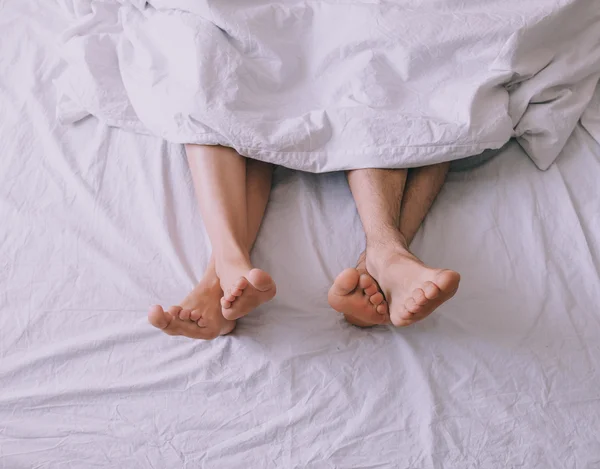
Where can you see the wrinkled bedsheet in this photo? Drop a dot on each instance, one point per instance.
(330, 85)
(98, 223)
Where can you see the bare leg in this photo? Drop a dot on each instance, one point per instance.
(422, 187)
(412, 289)
(200, 314)
(355, 292)
(245, 288)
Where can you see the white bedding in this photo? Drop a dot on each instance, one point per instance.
(98, 223)
(328, 85)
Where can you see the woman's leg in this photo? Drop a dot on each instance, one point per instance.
(259, 177)
(219, 176)
(202, 304)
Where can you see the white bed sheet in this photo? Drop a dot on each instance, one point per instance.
(97, 224)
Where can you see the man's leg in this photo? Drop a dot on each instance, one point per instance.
(422, 187)
(412, 289)
(355, 292)
(200, 314)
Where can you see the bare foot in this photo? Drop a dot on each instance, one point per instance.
(412, 289)
(245, 290)
(356, 294)
(198, 316)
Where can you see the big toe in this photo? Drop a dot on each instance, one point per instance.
(158, 318)
(345, 283)
(447, 281)
(260, 280)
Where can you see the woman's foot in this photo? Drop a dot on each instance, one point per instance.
(199, 314)
(244, 289)
(356, 294)
(412, 289)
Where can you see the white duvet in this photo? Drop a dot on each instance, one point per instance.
(331, 85)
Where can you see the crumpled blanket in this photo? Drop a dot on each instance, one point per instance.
(331, 85)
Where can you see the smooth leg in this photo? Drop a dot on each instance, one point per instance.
(219, 176)
(200, 314)
(392, 205)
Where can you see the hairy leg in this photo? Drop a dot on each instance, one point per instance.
(392, 206)
(422, 187)
(355, 292)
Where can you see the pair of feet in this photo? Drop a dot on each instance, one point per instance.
(406, 291)
(390, 286)
(207, 312)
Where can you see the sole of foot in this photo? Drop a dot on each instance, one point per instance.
(413, 290)
(247, 293)
(356, 295)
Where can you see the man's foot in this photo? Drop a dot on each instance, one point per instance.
(412, 289)
(244, 291)
(356, 294)
(198, 316)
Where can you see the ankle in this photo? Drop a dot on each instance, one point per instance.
(228, 263)
(391, 241)
(232, 253)
(381, 251)
(210, 279)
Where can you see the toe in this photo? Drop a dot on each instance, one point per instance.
(382, 308)
(411, 306)
(225, 303)
(196, 314)
(366, 282)
(403, 317)
(202, 321)
(371, 290)
(184, 314)
(241, 283)
(199, 318)
(447, 281)
(158, 318)
(260, 280)
(229, 296)
(376, 299)
(175, 310)
(236, 292)
(345, 283)
(431, 290)
(419, 297)
(402, 322)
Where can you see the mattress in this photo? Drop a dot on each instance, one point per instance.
(98, 224)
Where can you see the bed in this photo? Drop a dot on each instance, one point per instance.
(98, 224)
